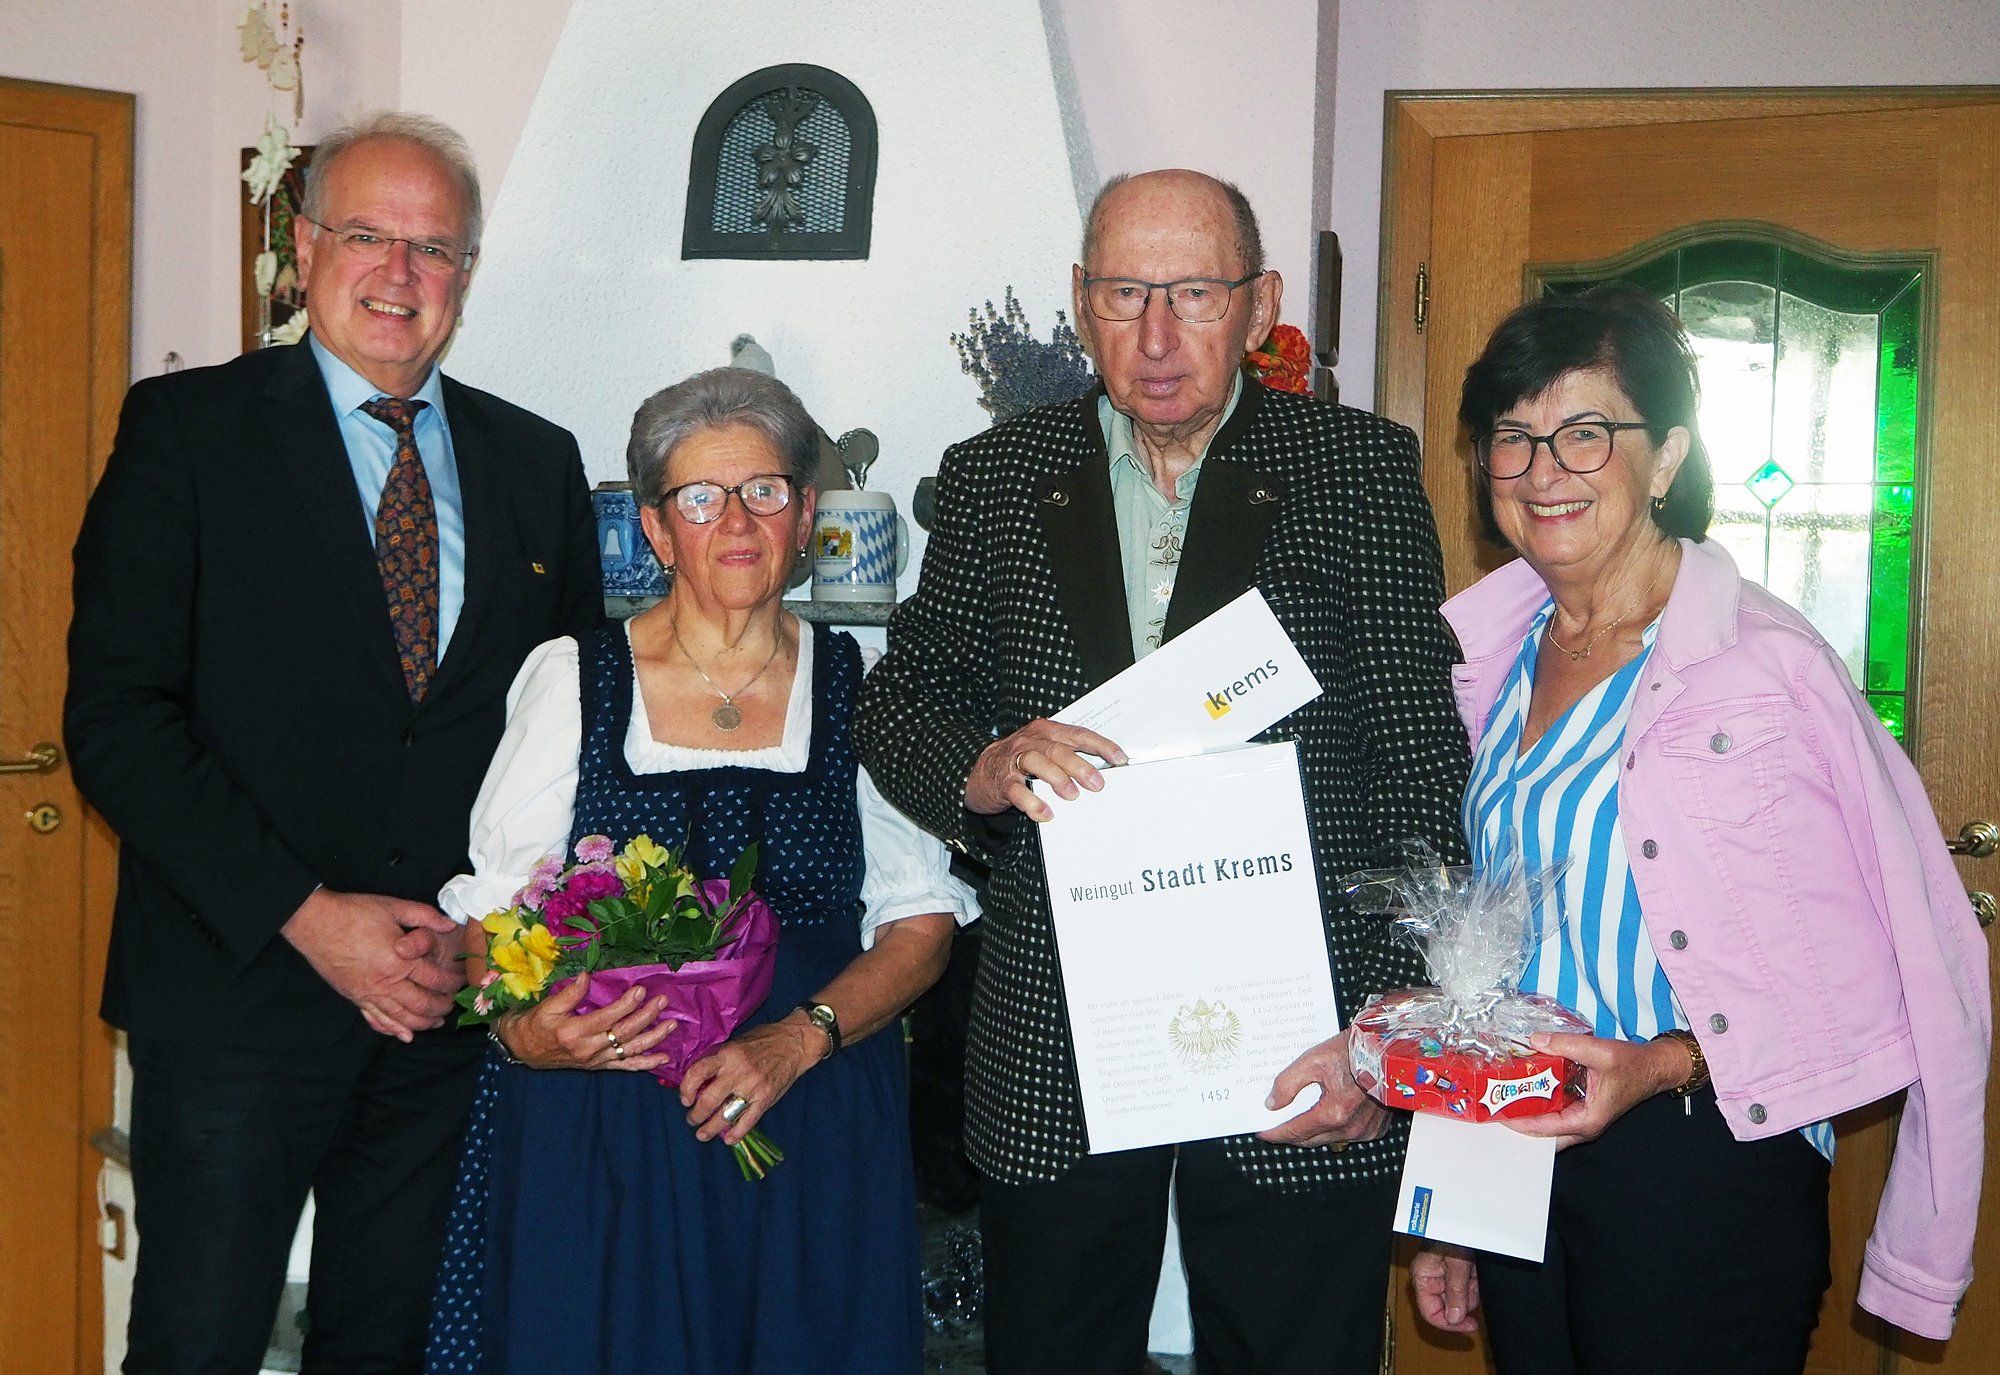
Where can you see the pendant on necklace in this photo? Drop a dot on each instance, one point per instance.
(726, 717)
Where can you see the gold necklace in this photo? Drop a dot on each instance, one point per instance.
(728, 716)
(1577, 656)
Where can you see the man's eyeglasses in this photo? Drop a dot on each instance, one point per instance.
(1582, 446)
(701, 502)
(371, 247)
(1195, 300)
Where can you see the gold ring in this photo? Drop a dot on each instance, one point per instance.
(612, 1037)
(1016, 764)
(619, 1051)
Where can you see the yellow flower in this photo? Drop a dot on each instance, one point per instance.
(643, 851)
(525, 957)
(503, 925)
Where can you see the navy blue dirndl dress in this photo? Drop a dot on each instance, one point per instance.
(590, 1231)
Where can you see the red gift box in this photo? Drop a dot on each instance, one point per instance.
(1417, 1069)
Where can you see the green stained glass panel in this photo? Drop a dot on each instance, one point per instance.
(1889, 591)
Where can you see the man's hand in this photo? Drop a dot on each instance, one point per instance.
(357, 943)
(1446, 1287)
(1343, 1113)
(1041, 749)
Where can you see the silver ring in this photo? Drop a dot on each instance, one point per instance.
(619, 1051)
(734, 1107)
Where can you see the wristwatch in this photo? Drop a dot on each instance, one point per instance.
(1697, 1079)
(822, 1016)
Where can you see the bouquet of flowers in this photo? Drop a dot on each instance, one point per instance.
(637, 916)
(1460, 1049)
(1284, 362)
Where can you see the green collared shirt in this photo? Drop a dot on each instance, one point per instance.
(1150, 528)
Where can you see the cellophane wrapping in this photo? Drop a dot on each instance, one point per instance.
(1459, 1048)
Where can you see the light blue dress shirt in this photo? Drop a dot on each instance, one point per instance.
(371, 452)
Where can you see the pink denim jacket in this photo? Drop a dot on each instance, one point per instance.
(1795, 883)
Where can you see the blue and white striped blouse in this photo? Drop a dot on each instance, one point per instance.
(1557, 798)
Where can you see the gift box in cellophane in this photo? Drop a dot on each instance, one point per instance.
(1404, 1063)
(1461, 1048)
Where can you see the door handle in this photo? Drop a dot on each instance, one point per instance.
(1976, 840)
(43, 758)
(1985, 907)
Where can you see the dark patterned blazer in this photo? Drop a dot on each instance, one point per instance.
(1020, 610)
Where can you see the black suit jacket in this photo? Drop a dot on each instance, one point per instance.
(1020, 610)
(236, 710)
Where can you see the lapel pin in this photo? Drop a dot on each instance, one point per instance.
(1262, 496)
(1057, 497)
(538, 568)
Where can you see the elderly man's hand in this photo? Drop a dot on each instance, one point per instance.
(1041, 749)
(1446, 1287)
(1343, 1113)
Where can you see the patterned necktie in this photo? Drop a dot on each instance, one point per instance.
(406, 546)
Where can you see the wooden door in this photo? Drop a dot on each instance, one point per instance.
(65, 296)
(1480, 188)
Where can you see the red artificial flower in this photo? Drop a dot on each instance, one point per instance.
(1284, 363)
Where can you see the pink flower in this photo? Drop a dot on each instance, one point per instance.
(562, 905)
(593, 849)
(542, 880)
(583, 885)
(593, 884)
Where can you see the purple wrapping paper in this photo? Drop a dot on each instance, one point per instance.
(709, 998)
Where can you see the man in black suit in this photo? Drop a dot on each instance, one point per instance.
(303, 587)
(1067, 543)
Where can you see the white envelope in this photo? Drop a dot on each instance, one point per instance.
(1477, 1184)
(1216, 683)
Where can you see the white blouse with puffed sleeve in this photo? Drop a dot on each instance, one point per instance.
(525, 806)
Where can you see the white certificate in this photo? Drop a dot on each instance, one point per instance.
(1194, 961)
(1217, 683)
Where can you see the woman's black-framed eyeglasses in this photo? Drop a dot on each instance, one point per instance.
(1582, 446)
(701, 502)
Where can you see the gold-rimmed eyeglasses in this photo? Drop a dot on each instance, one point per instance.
(372, 246)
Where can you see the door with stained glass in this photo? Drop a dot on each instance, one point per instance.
(1835, 258)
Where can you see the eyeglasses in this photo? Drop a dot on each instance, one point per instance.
(1194, 300)
(1582, 446)
(702, 502)
(370, 247)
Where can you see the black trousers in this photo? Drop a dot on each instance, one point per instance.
(1673, 1248)
(225, 1145)
(1279, 1283)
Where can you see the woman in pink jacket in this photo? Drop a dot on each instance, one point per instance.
(1760, 919)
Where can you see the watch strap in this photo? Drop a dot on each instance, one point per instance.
(824, 1017)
